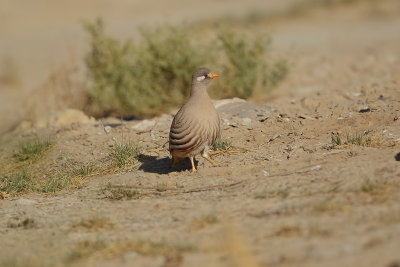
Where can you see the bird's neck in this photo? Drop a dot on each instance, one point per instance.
(199, 91)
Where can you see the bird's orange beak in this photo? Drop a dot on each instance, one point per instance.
(214, 75)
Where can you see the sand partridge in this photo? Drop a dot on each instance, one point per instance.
(196, 125)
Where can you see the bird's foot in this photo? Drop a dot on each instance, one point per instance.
(210, 160)
(193, 167)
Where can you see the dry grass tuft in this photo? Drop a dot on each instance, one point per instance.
(330, 205)
(15, 183)
(282, 193)
(222, 145)
(84, 249)
(358, 139)
(120, 193)
(204, 221)
(89, 249)
(288, 231)
(95, 223)
(124, 153)
(32, 150)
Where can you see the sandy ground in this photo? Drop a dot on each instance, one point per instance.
(285, 196)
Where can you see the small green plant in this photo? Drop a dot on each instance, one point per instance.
(54, 183)
(283, 193)
(32, 150)
(124, 153)
(24, 182)
(119, 193)
(84, 170)
(17, 183)
(220, 144)
(358, 139)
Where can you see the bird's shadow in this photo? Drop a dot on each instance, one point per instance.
(157, 165)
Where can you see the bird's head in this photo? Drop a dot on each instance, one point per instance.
(203, 76)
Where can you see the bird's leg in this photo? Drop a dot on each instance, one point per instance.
(193, 167)
(207, 157)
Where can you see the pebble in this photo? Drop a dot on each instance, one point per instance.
(245, 121)
(316, 167)
(144, 125)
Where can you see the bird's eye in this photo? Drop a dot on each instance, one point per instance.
(201, 78)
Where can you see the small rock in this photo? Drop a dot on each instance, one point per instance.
(365, 109)
(144, 125)
(153, 135)
(315, 168)
(222, 102)
(306, 117)
(245, 121)
(107, 129)
(262, 117)
(226, 122)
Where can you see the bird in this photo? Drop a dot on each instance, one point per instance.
(196, 125)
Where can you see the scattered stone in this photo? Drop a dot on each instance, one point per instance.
(365, 109)
(144, 126)
(153, 135)
(306, 117)
(315, 168)
(262, 117)
(245, 121)
(222, 102)
(274, 137)
(107, 129)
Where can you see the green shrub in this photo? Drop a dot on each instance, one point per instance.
(143, 79)
(245, 65)
(153, 75)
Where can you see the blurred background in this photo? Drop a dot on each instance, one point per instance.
(134, 58)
